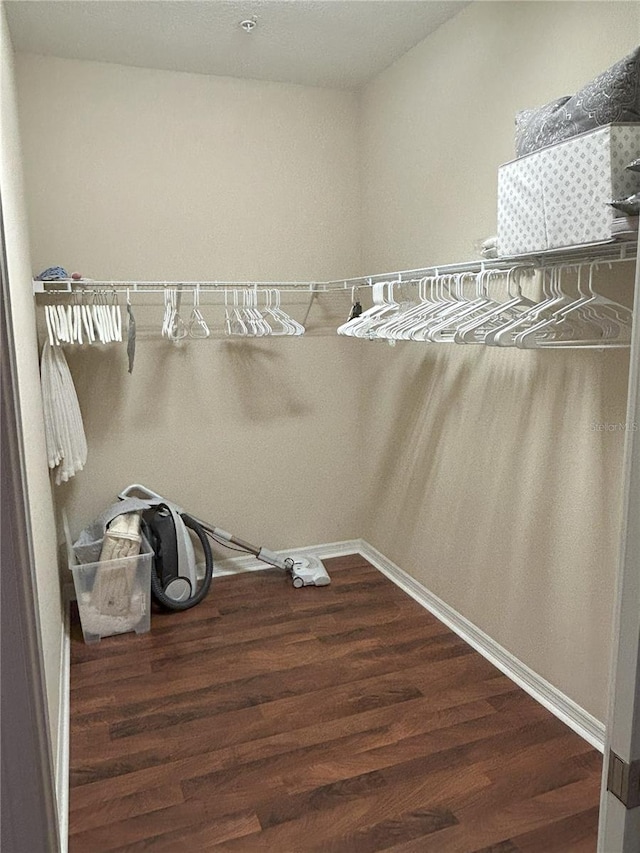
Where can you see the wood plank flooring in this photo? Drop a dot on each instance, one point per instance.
(343, 719)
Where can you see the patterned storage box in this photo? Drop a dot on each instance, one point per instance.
(558, 196)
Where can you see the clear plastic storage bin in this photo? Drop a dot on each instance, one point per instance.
(114, 596)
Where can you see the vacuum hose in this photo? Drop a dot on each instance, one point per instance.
(156, 588)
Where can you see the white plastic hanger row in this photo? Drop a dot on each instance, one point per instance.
(95, 316)
(489, 307)
(245, 315)
(79, 322)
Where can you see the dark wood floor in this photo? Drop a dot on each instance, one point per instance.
(343, 718)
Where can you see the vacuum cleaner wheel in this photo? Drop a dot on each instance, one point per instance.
(178, 589)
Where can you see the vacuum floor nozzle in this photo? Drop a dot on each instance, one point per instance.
(309, 571)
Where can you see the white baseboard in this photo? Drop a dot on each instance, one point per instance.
(64, 711)
(574, 716)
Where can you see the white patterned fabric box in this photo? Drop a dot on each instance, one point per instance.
(559, 196)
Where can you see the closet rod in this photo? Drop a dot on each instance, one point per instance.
(572, 255)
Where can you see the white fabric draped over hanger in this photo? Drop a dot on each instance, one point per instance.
(64, 430)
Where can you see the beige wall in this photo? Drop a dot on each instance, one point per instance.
(159, 174)
(40, 505)
(488, 483)
(154, 174)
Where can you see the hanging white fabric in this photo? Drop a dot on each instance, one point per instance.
(64, 430)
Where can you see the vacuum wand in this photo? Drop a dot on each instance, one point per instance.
(261, 553)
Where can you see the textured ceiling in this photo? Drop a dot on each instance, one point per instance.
(334, 43)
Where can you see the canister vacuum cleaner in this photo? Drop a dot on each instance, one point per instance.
(174, 580)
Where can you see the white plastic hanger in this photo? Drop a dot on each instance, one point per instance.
(283, 327)
(116, 317)
(87, 321)
(197, 324)
(383, 303)
(377, 294)
(178, 329)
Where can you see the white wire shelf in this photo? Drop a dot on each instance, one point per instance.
(613, 251)
(67, 285)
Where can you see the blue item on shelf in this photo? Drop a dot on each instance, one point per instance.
(53, 274)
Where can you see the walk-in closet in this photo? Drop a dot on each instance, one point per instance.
(321, 274)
